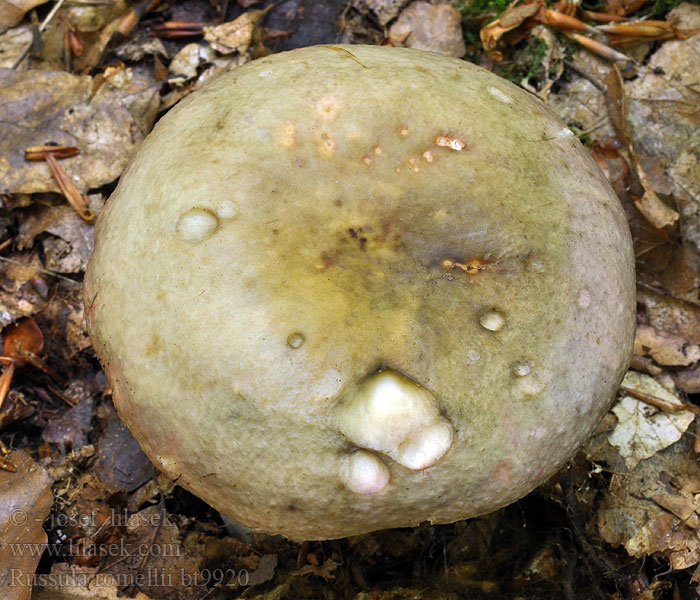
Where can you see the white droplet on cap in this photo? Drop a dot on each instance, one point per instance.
(522, 368)
(196, 225)
(492, 320)
(584, 299)
(295, 340)
(227, 210)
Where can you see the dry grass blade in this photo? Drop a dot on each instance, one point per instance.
(659, 403)
(39, 152)
(77, 200)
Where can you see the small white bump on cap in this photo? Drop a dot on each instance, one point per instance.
(196, 225)
(498, 94)
(492, 320)
(424, 447)
(227, 210)
(522, 368)
(364, 472)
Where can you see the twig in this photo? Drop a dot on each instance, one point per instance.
(659, 403)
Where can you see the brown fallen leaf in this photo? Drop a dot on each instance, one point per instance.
(237, 35)
(653, 509)
(25, 501)
(264, 570)
(12, 11)
(325, 570)
(65, 238)
(649, 205)
(688, 379)
(665, 348)
(511, 18)
(23, 343)
(122, 24)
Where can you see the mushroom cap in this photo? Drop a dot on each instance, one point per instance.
(347, 288)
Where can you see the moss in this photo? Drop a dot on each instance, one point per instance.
(526, 62)
(660, 8)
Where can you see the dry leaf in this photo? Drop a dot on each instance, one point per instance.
(236, 35)
(13, 44)
(69, 245)
(644, 430)
(72, 582)
(53, 107)
(655, 508)
(510, 19)
(433, 27)
(325, 570)
(23, 343)
(665, 348)
(264, 571)
(671, 315)
(651, 206)
(12, 11)
(25, 501)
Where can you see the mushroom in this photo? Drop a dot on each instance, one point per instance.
(347, 288)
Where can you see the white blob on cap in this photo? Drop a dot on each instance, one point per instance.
(196, 225)
(522, 368)
(584, 299)
(502, 96)
(492, 320)
(364, 473)
(425, 447)
(227, 210)
(390, 413)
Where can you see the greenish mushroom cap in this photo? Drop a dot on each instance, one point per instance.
(347, 288)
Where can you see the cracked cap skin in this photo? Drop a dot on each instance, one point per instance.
(347, 288)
